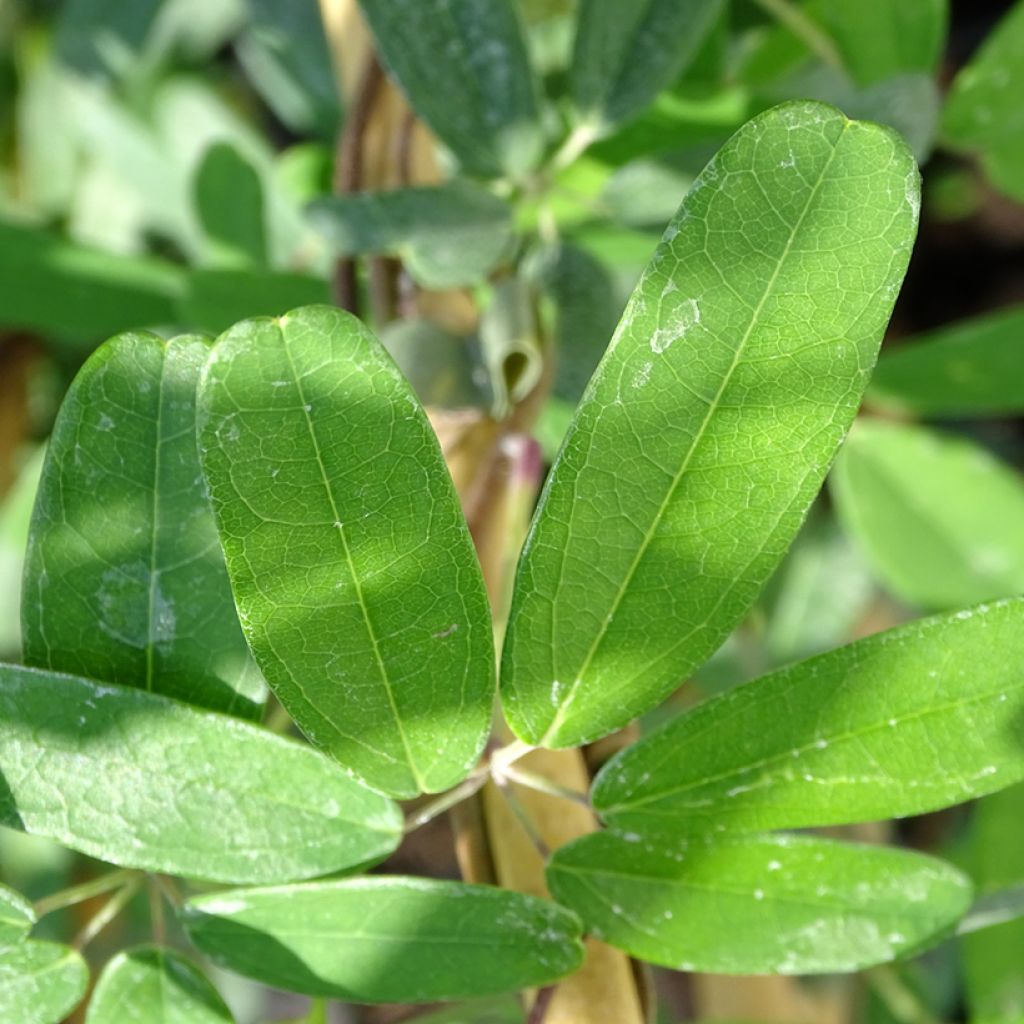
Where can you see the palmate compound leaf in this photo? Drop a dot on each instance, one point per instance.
(124, 578)
(41, 982)
(711, 421)
(152, 985)
(146, 782)
(911, 720)
(757, 904)
(387, 939)
(352, 567)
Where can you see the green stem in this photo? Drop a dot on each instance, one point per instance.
(899, 999)
(531, 780)
(85, 891)
(107, 913)
(446, 801)
(804, 28)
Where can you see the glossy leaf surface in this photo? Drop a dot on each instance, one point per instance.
(353, 570)
(387, 939)
(151, 985)
(446, 235)
(16, 916)
(937, 517)
(41, 982)
(124, 578)
(626, 53)
(464, 68)
(918, 718)
(983, 112)
(971, 368)
(709, 425)
(757, 904)
(145, 782)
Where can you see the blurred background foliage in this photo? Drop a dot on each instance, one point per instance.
(179, 165)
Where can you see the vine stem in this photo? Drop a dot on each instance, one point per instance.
(85, 891)
(107, 912)
(804, 28)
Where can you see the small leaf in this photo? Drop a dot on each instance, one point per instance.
(387, 939)
(352, 566)
(911, 720)
(971, 368)
(757, 904)
(626, 53)
(464, 68)
(937, 517)
(150, 985)
(16, 917)
(983, 113)
(229, 200)
(145, 782)
(709, 425)
(447, 235)
(41, 982)
(125, 581)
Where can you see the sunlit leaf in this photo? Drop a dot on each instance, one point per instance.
(41, 982)
(16, 917)
(709, 425)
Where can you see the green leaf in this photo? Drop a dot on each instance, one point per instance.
(911, 720)
(100, 293)
(710, 423)
(352, 566)
(937, 517)
(757, 904)
(124, 579)
(387, 940)
(16, 917)
(447, 235)
(626, 53)
(879, 38)
(41, 982)
(971, 368)
(15, 515)
(145, 782)
(150, 985)
(229, 200)
(464, 68)
(983, 113)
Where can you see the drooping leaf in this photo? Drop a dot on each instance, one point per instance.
(391, 940)
(937, 517)
(972, 368)
(983, 113)
(447, 235)
(145, 782)
(16, 917)
(152, 985)
(464, 68)
(910, 720)
(626, 53)
(100, 293)
(757, 904)
(352, 567)
(41, 982)
(229, 200)
(124, 580)
(709, 425)
(879, 39)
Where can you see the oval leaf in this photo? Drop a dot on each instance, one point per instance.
(972, 368)
(228, 196)
(41, 982)
(150, 985)
(387, 940)
(757, 904)
(626, 53)
(908, 721)
(938, 518)
(145, 782)
(709, 425)
(124, 578)
(473, 51)
(352, 566)
(16, 916)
